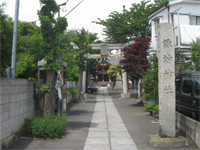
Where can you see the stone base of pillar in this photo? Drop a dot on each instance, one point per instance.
(157, 142)
(84, 95)
(126, 96)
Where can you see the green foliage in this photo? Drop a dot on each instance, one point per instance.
(6, 35)
(113, 70)
(71, 90)
(82, 39)
(26, 67)
(150, 79)
(195, 55)
(67, 54)
(151, 106)
(46, 128)
(45, 87)
(128, 25)
(159, 2)
(50, 29)
(156, 107)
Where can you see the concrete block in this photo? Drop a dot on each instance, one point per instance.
(21, 96)
(157, 142)
(12, 106)
(13, 97)
(13, 89)
(5, 124)
(21, 118)
(1, 107)
(24, 82)
(15, 81)
(21, 103)
(21, 111)
(1, 90)
(5, 99)
(6, 107)
(25, 109)
(6, 90)
(16, 120)
(4, 81)
(26, 115)
(12, 122)
(4, 133)
(5, 116)
(32, 107)
(12, 129)
(12, 114)
(25, 96)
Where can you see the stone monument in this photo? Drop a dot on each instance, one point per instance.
(166, 77)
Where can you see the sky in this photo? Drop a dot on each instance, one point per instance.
(81, 17)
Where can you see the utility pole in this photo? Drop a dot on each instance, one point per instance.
(14, 45)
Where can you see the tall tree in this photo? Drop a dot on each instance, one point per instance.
(128, 25)
(82, 40)
(135, 59)
(150, 79)
(6, 35)
(50, 29)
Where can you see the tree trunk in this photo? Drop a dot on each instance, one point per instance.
(78, 98)
(49, 97)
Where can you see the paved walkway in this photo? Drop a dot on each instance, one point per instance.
(104, 122)
(107, 130)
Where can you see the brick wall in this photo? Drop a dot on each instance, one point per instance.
(16, 104)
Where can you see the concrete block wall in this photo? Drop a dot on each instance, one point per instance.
(189, 126)
(71, 84)
(16, 104)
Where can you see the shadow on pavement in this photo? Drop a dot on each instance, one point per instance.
(21, 144)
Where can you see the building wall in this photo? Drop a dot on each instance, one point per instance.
(16, 104)
(184, 17)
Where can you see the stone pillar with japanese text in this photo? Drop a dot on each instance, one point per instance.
(166, 62)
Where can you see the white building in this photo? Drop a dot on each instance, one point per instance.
(185, 17)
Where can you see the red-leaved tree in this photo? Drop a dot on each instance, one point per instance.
(135, 60)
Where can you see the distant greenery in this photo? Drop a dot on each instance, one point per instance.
(46, 128)
(195, 55)
(71, 90)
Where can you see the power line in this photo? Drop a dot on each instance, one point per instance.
(74, 8)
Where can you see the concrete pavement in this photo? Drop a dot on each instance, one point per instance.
(103, 122)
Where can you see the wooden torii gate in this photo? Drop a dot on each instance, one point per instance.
(103, 54)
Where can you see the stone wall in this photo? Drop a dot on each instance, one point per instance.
(16, 104)
(71, 84)
(189, 126)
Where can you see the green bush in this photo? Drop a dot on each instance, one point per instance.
(156, 107)
(46, 128)
(150, 106)
(71, 90)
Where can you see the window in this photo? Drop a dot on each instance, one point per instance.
(194, 20)
(197, 88)
(156, 22)
(187, 86)
(178, 84)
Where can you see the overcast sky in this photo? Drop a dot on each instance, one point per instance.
(82, 16)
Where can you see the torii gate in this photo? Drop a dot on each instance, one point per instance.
(104, 53)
